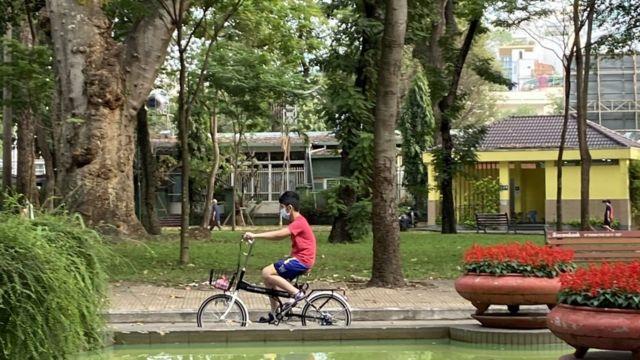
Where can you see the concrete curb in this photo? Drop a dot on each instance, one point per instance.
(476, 334)
(385, 314)
(463, 331)
(261, 334)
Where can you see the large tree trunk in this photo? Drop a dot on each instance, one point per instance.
(211, 186)
(7, 122)
(387, 260)
(148, 214)
(101, 86)
(563, 136)
(26, 176)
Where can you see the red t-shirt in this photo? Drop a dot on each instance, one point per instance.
(303, 242)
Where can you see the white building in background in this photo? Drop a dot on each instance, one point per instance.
(536, 72)
(39, 164)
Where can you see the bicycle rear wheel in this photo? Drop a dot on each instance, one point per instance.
(214, 307)
(326, 310)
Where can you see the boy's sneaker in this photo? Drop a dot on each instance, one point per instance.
(299, 296)
(269, 319)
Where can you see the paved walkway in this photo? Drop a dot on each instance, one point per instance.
(431, 295)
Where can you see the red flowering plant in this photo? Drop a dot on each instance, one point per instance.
(615, 285)
(516, 258)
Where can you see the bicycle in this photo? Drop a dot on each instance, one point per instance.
(321, 307)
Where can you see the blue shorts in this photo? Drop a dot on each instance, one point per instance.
(290, 268)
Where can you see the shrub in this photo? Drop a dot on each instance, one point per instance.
(595, 223)
(52, 288)
(608, 285)
(527, 259)
(358, 214)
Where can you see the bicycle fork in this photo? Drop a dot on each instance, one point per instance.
(234, 298)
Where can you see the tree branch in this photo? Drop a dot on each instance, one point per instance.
(196, 27)
(144, 52)
(205, 64)
(474, 24)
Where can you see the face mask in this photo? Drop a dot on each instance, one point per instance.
(284, 214)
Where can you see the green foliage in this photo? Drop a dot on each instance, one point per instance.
(52, 288)
(484, 197)
(634, 187)
(417, 126)
(463, 154)
(604, 299)
(358, 215)
(13, 12)
(30, 75)
(350, 67)
(359, 220)
(594, 223)
(361, 158)
(486, 69)
(513, 267)
(619, 22)
(335, 206)
(125, 14)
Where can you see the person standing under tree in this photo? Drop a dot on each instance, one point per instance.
(608, 215)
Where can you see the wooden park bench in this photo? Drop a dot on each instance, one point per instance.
(490, 220)
(597, 246)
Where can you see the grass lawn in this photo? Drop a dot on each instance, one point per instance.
(426, 255)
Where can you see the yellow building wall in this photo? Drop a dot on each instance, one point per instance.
(533, 191)
(606, 181)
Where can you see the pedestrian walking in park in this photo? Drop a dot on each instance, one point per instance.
(608, 215)
(216, 213)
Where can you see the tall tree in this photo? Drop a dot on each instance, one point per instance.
(187, 27)
(443, 56)
(349, 104)
(147, 175)
(26, 179)
(417, 128)
(28, 77)
(387, 263)
(443, 49)
(215, 165)
(249, 73)
(583, 62)
(103, 80)
(7, 118)
(555, 33)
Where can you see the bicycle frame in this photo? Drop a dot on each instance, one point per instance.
(237, 283)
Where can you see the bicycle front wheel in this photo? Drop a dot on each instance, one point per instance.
(220, 310)
(326, 310)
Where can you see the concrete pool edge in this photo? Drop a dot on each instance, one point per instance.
(383, 314)
(463, 331)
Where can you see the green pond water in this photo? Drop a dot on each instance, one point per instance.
(330, 350)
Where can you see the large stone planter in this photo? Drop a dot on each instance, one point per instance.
(601, 328)
(511, 290)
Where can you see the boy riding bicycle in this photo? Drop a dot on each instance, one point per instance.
(303, 253)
